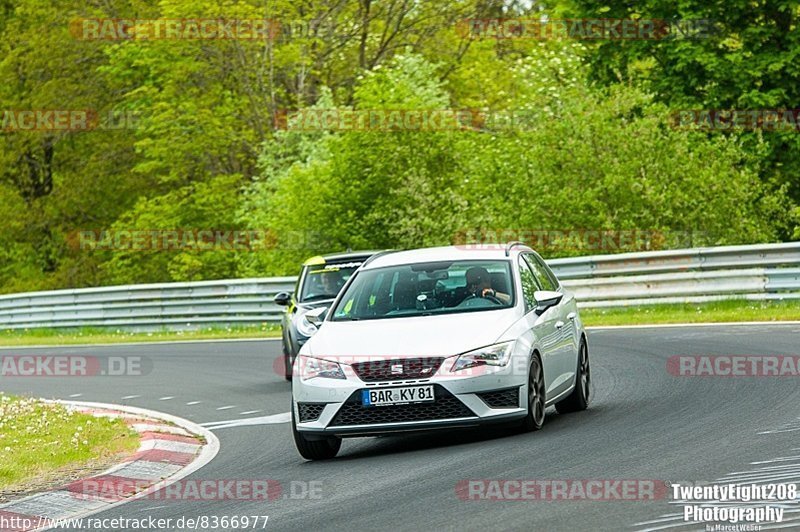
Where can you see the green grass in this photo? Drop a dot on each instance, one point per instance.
(721, 311)
(717, 312)
(88, 335)
(40, 442)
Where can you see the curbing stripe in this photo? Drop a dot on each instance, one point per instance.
(149, 427)
(157, 464)
(167, 445)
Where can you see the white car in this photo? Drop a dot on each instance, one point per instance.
(440, 338)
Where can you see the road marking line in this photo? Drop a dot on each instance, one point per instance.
(674, 325)
(76, 395)
(285, 417)
(167, 398)
(226, 407)
(190, 403)
(131, 396)
(250, 412)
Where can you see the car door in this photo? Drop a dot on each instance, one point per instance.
(566, 348)
(542, 328)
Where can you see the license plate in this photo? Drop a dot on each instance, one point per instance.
(397, 396)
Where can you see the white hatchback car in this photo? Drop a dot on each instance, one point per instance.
(440, 338)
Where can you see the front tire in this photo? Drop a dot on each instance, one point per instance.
(534, 420)
(579, 398)
(287, 365)
(315, 449)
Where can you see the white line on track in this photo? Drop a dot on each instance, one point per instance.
(190, 403)
(167, 398)
(76, 395)
(131, 396)
(674, 325)
(249, 412)
(247, 422)
(226, 407)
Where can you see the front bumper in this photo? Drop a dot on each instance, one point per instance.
(332, 406)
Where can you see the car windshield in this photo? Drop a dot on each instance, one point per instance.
(427, 289)
(325, 280)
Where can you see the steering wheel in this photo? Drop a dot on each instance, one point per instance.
(493, 299)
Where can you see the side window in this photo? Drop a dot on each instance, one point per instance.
(543, 274)
(529, 284)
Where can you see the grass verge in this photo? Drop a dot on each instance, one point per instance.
(87, 335)
(42, 443)
(720, 312)
(717, 312)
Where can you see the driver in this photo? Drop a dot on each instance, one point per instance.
(479, 284)
(330, 282)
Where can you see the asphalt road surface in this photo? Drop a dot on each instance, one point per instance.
(643, 424)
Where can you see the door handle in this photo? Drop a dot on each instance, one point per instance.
(572, 316)
(559, 324)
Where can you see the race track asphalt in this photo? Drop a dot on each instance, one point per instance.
(644, 423)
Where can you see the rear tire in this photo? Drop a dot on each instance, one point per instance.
(315, 449)
(536, 400)
(579, 398)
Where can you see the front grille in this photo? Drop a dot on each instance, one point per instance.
(411, 368)
(310, 411)
(508, 398)
(444, 406)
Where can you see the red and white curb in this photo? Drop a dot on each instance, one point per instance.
(169, 451)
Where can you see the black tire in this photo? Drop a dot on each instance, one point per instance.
(315, 449)
(579, 398)
(287, 367)
(287, 364)
(534, 420)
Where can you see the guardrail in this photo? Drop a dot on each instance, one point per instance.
(759, 272)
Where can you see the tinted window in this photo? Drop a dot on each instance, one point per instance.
(426, 289)
(543, 274)
(529, 284)
(325, 280)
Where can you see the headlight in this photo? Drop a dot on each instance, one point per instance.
(310, 367)
(493, 355)
(305, 327)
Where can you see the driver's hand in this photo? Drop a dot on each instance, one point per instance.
(488, 292)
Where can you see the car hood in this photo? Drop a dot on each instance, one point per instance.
(444, 335)
(302, 308)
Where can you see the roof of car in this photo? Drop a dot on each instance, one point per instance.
(339, 257)
(461, 252)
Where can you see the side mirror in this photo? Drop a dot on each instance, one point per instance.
(546, 299)
(282, 298)
(316, 316)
